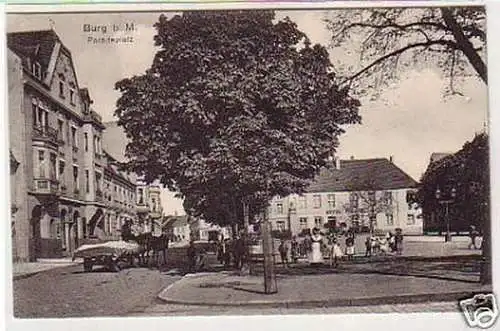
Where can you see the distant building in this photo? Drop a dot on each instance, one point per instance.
(438, 156)
(347, 196)
(149, 210)
(178, 227)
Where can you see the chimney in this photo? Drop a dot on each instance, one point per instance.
(337, 163)
(391, 159)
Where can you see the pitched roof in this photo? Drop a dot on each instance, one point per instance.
(33, 44)
(362, 175)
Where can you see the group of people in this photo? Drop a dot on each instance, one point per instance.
(390, 243)
(318, 246)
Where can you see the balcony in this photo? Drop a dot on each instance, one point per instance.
(46, 186)
(47, 134)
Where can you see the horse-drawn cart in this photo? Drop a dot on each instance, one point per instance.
(107, 254)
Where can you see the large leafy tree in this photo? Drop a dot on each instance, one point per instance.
(235, 107)
(468, 172)
(390, 41)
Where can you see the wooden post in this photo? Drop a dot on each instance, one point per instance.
(270, 285)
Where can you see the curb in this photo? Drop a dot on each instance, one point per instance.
(33, 273)
(344, 302)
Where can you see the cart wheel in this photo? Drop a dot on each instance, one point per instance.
(87, 265)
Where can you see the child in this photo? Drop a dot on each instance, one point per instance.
(349, 242)
(283, 249)
(336, 253)
(368, 246)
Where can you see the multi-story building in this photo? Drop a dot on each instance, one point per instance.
(58, 167)
(119, 196)
(44, 92)
(149, 210)
(353, 194)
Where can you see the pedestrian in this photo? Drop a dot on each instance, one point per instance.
(283, 250)
(294, 249)
(238, 252)
(335, 253)
(398, 239)
(349, 242)
(227, 253)
(191, 254)
(368, 246)
(473, 234)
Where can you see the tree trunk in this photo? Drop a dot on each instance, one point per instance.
(270, 285)
(486, 272)
(464, 44)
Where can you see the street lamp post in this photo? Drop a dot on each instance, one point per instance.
(446, 202)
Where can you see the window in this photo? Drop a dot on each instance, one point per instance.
(141, 196)
(331, 201)
(302, 202)
(36, 70)
(280, 226)
(411, 219)
(34, 109)
(60, 129)
(303, 223)
(98, 180)
(75, 178)
(388, 197)
(53, 166)
(390, 219)
(72, 96)
(86, 141)
(153, 202)
(41, 164)
(317, 201)
(61, 171)
(87, 181)
(318, 221)
(61, 89)
(279, 207)
(73, 136)
(354, 199)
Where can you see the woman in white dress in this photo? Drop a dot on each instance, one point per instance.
(316, 255)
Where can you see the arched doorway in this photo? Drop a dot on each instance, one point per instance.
(96, 221)
(62, 232)
(36, 233)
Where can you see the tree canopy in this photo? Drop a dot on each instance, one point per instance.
(390, 40)
(234, 107)
(468, 172)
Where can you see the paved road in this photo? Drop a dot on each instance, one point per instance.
(68, 292)
(179, 310)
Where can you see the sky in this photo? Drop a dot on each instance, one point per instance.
(415, 123)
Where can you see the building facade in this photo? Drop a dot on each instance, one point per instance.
(148, 205)
(358, 194)
(58, 166)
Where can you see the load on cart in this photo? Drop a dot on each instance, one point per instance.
(107, 254)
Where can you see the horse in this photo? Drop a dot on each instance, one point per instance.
(159, 244)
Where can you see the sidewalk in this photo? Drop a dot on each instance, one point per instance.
(327, 290)
(27, 269)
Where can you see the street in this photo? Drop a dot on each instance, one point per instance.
(68, 292)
